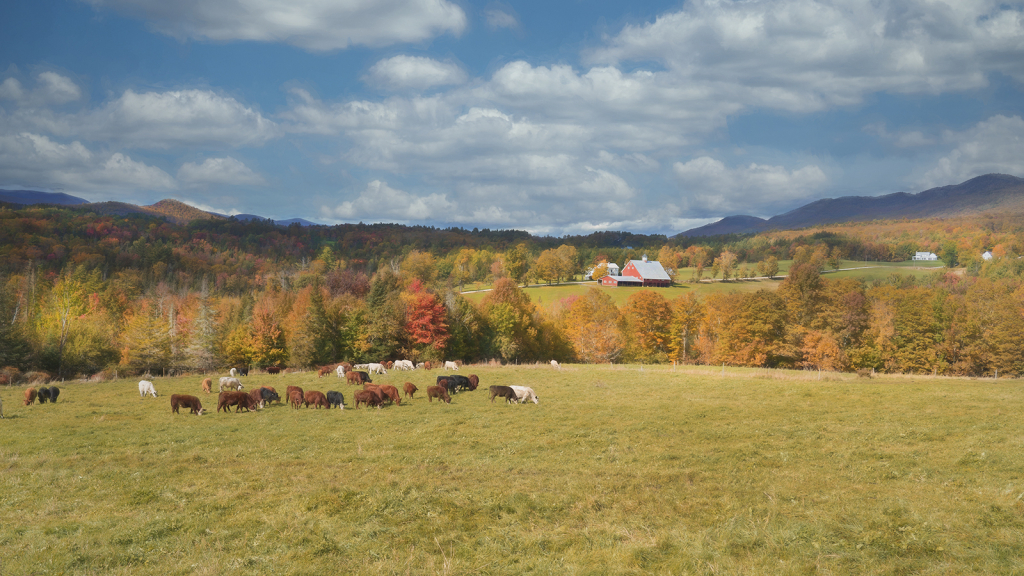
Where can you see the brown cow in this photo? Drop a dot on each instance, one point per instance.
(295, 397)
(317, 399)
(366, 397)
(392, 393)
(410, 389)
(324, 371)
(473, 381)
(354, 378)
(438, 392)
(426, 365)
(381, 396)
(207, 384)
(225, 400)
(190, 402)
(504, 392)
(256, 394)
(273, 370)
(30, 396)
(288, 392)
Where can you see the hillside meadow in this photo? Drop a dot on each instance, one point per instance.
(618, 470)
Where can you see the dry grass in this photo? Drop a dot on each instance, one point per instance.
(618, 470)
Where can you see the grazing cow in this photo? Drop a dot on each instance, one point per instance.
(404, 365)
(291, 389)
(256, 395)
(54, 392)
(376, 392)
(422, 366)
(317, 399)
(238, 399)
(207, 383)
(273, 370)
(504, 392)
(366, 397)
(358, 377)
(451, 366)
(190, 402)
(554, 364)
(438, 392)
(43, 395)
(336, 399)
(233, 372)
(427, 365)
(243, 371)
(389, 364)
(229, 383)
(525, 393)
(268, 394)
(410, 389)
(376, 369)
(460, 382)
(146, 387)
(340, 371)
(324, 371)
(295, 398)
(392, 393)
(473, 381)
(30, 396)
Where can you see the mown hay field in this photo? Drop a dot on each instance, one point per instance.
(618, 470)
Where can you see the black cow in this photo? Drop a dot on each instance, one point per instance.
(447, 382)
(54, 392)
(243, 371)
(336, 399)
(269, 396)
(504, 392)
(43, 395)
(461, 382)
(364, 377)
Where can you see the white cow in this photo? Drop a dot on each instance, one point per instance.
(422, 366)
(341, 371)
(525, 393)
(361, 367)
(229, 383)
(554, 364)
(404, 365)
(146, 387)
(234, 373)
(450, 366)
(374, 368)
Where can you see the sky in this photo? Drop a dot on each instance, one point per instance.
(556, 117)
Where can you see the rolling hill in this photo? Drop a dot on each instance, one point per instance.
(984, 194)
(29, 197)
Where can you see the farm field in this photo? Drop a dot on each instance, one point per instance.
(618, 470)
(545, 296)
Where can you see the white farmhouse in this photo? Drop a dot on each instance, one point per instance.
(925, 256)
(987, 255)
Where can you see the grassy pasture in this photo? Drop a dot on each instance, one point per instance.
(618, 470)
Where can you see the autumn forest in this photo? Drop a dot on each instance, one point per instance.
(84, 294)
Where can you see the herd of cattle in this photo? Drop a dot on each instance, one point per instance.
(230, 389)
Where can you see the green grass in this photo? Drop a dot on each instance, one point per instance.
(618, 470)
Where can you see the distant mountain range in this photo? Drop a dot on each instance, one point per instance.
(173, 210)
(984, 194)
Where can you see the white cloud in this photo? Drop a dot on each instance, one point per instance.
(500, 18)
(991, 146)
(175, 118)
(380, 202)
(806, 55)
(11, 89)
(224, 171)
(901, 139)
(57, 89)
(36, 160)
(415, 72)
(713, 188)
(314, 25)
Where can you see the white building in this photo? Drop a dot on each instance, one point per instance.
(925, 256)
(987, 255)
(613, 270)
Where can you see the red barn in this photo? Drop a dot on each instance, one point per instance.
(640, 273)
